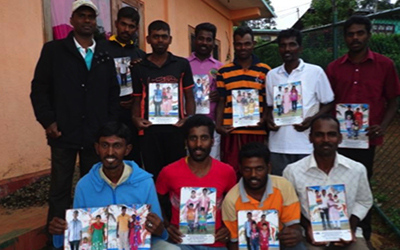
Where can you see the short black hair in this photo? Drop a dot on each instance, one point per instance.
(98, 216)
(115, 128)
(243, 30)
(123, 207)
(290, 33)
(197, 121)
(249, 213)
(128, 12)
(255, 149)
(206, 27)
(158, 25)
(325, 117)
(356, 19)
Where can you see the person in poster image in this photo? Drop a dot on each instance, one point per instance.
(287, 103)
(264, 236)
(334, 210)
(247, 229)
(167, 101)
(349, 124)
(202, 219)
(97, 230)
(190, 218)
(123, 71)
(278, 103)
(135, 239)
(294, 96)
(358, 116)
(157, 100)
(324, 210)
(254, 236)
(123, 229)
(239, 100)
(205, 200)
(75, 231)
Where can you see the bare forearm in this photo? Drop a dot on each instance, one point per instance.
(324, 109)
(354, 222)
(189, 104)
(136, 106)
(220, 111)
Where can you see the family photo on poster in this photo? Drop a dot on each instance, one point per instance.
(258, 229)
(197, 215)
(126, 229)
(288, 108)
(245, 107)
(87, 229)
(124, 75)
(353, 119)
(201, 93)
(163, 103)
(328, 213)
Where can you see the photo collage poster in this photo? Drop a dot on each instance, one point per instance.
(96, 228)
(353, 119)
(197, 215)
(288, 107)
(87, 228)
(258, 229)
(124, 75)
(137, 237)
(201, 93)
(245, 107)
(328, 213)
(163, 103)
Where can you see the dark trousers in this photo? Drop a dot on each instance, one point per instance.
(161, 148)
(366, 157)
(74, 244)
(63, 163)
(126, 118)
(248, 243)
(325, 218)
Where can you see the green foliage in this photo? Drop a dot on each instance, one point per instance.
(388, 45)
(323, 13)
(268, 54)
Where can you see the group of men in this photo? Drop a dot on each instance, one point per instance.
(76, 98)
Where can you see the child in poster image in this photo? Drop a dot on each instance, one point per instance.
(98, 234)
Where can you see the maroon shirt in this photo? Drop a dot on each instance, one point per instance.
(372, 81)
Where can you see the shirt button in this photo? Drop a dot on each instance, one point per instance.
(355, 82)
(83, 117)
(83, 85)
(356, 70)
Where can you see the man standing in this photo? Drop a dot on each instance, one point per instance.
(75, 232)
(324, 210)
(317, 98)
(247, 228)
(199, 169)
(123, 229)
(161, 144)
(115, 181)
(204, 65)
(326, 167)
(74, 91)
(246, 72)
(366, 77)
(257, 190)
(122, 47)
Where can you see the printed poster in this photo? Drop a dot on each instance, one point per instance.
(129, 220)
(87, 228)
(258, 229)
(245, 107)
(328, 213)
(197, 215)
(201, 93)
(353, 119)
(288, 108)
(163, 103)
(124, 75)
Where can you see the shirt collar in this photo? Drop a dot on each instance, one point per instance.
(245, 197)
(193, 57)
(338, 161)
(80, 47)
(125, 175)
(171, 58)
(254, 61)
(114, 38)
(370, 56)
(300, 68)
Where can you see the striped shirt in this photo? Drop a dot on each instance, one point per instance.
(232, 76)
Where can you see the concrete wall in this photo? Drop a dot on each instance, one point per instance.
(23, 148)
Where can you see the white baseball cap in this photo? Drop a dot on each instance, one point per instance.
(79, 3)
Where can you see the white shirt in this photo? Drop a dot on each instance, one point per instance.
(82, 50)
(315, 90)
(353, 175)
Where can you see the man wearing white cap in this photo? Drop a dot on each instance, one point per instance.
(74, 91)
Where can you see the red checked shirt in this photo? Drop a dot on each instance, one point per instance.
(373, 81)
